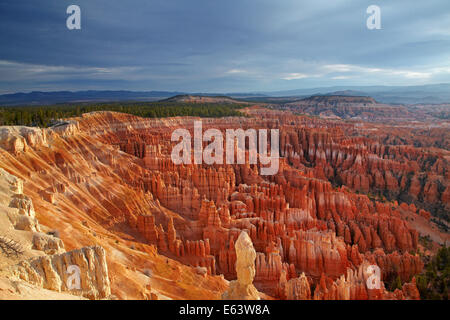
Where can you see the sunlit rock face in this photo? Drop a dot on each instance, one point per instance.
(344, 197)
(242, 288)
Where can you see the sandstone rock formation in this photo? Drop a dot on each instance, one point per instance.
(338, 202)
(242, 288)
(47, 265)
(54, 272)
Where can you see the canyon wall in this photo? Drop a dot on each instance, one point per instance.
(315, 226)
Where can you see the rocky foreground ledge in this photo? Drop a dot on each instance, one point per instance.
(39, 259)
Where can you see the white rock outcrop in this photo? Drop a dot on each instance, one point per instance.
(81, 272)
(243, 288)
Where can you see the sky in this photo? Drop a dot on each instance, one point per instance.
(221, 46)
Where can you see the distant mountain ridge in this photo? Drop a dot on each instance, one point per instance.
(55, 97)
(188, 98)
(433, 93)
(425, 94)
(338, 99)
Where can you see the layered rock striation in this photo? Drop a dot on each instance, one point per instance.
(336, 205)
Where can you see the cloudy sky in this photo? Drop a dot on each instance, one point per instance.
(221, 45)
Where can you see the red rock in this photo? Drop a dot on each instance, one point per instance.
(309, 226)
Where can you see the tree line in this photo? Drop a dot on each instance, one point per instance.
(45, 116)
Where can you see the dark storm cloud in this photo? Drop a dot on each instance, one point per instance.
(210, 45)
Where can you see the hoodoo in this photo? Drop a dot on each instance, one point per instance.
(243, 288)
(331, 211)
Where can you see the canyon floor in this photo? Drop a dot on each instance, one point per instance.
(357, 186)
